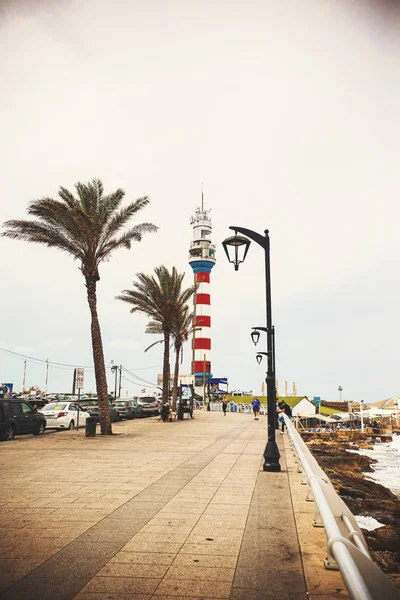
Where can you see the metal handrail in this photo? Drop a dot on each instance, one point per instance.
(347, 550)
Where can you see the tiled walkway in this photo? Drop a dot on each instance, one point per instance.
(161, 511)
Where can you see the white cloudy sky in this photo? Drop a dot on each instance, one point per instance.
(287, 111)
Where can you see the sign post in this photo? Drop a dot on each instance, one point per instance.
(80, 374)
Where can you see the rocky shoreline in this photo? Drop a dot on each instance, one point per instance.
(363, 496)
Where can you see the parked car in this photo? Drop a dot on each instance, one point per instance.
(129, 409)
(149, 404)
(64, 415)
(92, 406)
(17, 417)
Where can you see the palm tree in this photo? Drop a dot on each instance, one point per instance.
(161, 298)
(182, 328)
(89, 227)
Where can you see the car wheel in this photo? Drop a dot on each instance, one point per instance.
(71, 425)
(40, 430)
(9, 433)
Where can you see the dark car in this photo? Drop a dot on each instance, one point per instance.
(128, 409)
(16, 417)
(149, 404)
(92, 407)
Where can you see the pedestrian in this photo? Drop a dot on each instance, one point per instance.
(166, 412)
(224, 405)
(284, 408)
(256, 408)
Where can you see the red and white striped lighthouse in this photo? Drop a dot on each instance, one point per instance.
(202, 260)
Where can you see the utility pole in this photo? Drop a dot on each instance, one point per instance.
(120, 383)
(74, 383)
(24, 378)
(47, 373)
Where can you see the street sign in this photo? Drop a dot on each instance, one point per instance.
(317, 401)
(79, 378)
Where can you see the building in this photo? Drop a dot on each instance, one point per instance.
(202, 261)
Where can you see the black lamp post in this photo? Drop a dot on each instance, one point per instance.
(114, 369)
(238, 244)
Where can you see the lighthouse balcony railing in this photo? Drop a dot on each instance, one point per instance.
(346, 548)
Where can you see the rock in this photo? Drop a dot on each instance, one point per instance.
(363, 497)
(389, 562)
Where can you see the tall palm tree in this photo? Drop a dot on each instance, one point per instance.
(89, 227)
(161, 298)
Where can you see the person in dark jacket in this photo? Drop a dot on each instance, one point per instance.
(284, 408)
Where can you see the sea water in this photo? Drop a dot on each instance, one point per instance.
(386, 472)
(387, 468)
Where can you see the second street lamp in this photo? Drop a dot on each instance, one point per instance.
(236, 248)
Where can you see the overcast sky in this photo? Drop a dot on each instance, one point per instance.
(286, 111)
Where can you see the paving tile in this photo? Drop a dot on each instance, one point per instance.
(122, 585)
(111, 596)
(200, 573)
(143, 558)
(206, 560)
(114, 569)
(206, 589)
(167, 548)
(211, 548)
(166, 529)
(172, 536)
(226, 509)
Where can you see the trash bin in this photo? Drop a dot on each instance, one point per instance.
(90, 427)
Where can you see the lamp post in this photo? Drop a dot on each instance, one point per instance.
(361, 414)
(240, 244)
(114, 369)
(340, 390)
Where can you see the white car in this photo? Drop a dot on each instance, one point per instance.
(64, 415)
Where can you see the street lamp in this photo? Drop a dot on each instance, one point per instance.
(260, 355)
(255, 336)
(340, 390)
(236, 248)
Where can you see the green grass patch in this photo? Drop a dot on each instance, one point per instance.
(292, 401)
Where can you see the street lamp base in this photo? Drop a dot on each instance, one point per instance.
(271, 457)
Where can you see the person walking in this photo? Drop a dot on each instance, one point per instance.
(284, 408)
(224, 405)
(256, 408)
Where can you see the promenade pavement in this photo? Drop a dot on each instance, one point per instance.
(163, 511)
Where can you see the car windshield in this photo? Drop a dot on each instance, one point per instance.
(88, 402)
(146, 399)
(54, 407)
(120, 403)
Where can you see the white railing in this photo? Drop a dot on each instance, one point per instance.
(347, 550)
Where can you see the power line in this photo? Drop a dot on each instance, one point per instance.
(41, 361)
(144, 368)
(137, 382)
(139, 378)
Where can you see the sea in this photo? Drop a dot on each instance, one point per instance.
(386, 472)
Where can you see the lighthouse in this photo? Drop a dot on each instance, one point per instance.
(202, 260)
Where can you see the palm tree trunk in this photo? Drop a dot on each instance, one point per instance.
(176, 377)
(98, 359)
(166, 371)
